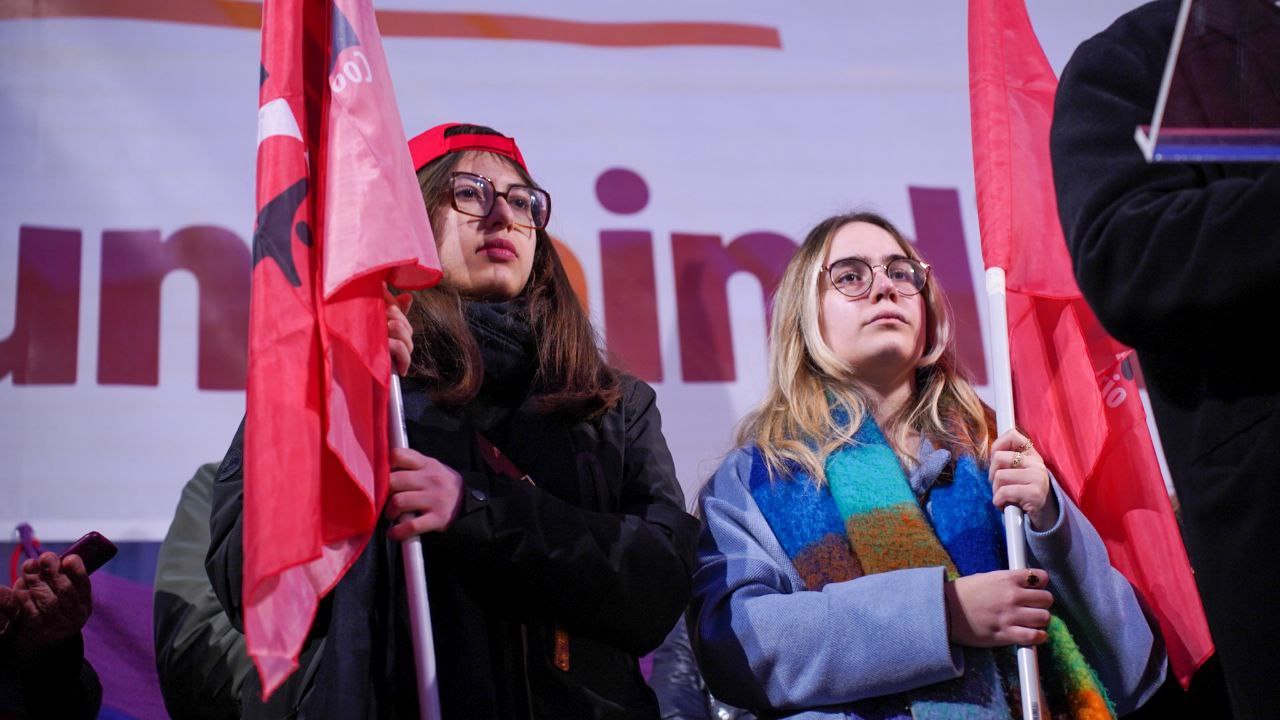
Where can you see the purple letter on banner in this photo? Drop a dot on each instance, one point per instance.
(133, 265)
(703, 267)
(41, 350)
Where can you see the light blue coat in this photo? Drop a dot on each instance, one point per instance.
(767, 642)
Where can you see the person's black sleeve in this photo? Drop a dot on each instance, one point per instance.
(1169, 256)
(225, 560)
(622, 578)
(57, 682)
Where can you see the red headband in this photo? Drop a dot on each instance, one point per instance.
(433, 144)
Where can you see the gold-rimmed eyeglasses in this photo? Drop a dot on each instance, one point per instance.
(853, 276)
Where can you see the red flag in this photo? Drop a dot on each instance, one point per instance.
(339, 214)
(1074, 386)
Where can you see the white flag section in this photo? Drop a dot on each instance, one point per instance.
(688, 147)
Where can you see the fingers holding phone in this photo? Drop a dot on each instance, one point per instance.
(52, 598)
(55, 600)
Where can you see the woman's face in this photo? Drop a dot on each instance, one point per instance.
(880, 335)
(489, 257)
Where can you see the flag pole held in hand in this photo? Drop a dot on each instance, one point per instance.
(415, 579)
(1014, 537)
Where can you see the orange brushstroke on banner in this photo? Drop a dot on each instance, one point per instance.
(409, 23)
(573, 269)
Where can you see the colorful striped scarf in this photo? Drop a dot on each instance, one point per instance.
(867, 520)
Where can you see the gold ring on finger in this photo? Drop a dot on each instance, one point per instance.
(1017, 459)
(1026, 446)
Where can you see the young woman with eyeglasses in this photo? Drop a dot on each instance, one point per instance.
(557, 546)
(852, 560)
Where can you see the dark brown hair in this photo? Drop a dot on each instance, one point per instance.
(572, 377)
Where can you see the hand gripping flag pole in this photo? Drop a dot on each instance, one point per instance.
(1014, 537)
(415, 578)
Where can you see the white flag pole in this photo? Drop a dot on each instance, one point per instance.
(1014, 538)
(415, 579)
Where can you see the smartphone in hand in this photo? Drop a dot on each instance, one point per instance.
(94, 549)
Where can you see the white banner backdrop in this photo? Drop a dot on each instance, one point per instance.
(687, 146)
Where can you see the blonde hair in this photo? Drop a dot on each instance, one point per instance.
(795, 425)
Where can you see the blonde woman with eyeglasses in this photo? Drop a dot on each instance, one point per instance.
(852, 564)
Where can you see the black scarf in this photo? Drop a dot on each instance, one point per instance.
(507, 347)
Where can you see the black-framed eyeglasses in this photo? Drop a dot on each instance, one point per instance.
(853, 276)
(475, 195)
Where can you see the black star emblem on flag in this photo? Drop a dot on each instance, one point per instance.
(274, 233)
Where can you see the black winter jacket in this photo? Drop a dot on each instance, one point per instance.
(542, 595)
(1182, 262)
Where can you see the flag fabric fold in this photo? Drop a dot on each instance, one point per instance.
(1075, 387)
(339, 215)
